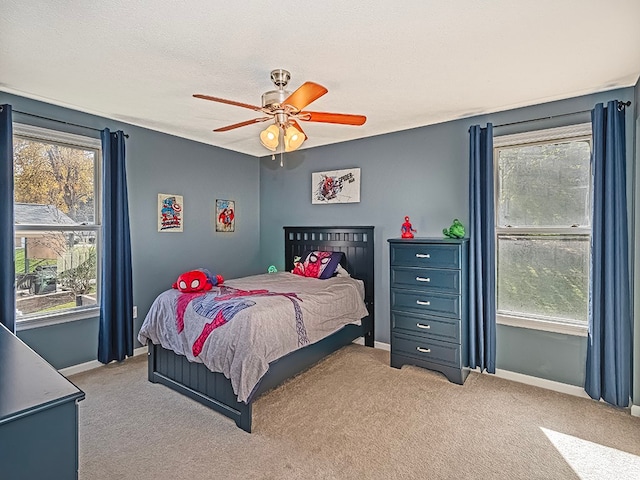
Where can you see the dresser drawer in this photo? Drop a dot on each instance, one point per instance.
(425, 255)
(426, 302)
(433, 279)
(428, 350)
(440, 329)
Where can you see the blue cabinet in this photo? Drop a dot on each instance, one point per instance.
(429, 304)
(38, 416)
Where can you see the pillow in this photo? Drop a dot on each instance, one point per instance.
(318, 264)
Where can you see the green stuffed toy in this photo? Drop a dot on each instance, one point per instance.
(456, 230)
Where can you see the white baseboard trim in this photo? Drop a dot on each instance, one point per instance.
(376, 344)
(541, 382)
(84, 367)
(635, 410)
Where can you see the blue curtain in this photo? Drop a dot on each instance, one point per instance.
(608, 372)
(7, 252)
(115, 341)
(482, 262)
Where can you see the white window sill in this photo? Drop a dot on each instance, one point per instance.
(544, 325)
(27, 323)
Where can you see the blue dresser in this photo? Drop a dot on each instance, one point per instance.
(38, 416)
(429, 304)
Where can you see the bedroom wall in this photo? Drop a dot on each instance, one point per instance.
(159, 163)
(422, 173)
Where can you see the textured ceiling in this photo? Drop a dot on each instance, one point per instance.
(402, 64)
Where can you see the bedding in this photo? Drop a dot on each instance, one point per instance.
(238, 328)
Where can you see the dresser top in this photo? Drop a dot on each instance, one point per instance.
(27, 381)
(455, 241)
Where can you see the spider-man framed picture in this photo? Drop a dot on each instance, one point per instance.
(337, 186)
(225, 216)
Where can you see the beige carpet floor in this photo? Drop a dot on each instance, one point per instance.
(353, 417)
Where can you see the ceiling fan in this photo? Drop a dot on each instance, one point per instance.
(285, 109)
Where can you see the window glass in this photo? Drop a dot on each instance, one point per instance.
(544, 276)
(57, 225)
(543, 229)
(544, 184)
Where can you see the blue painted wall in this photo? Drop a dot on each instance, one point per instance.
(160, 163)
(422, 173)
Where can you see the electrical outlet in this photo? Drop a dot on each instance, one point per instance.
(135, 311)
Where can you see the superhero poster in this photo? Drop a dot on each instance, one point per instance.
(170, 213)
(336, 186)
(225, 216)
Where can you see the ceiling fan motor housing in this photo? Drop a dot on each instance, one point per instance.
(274, 98)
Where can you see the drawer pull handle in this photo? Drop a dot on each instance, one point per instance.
(420, 325)
(420, 302)
(423, 255)
(423, 350)
(422, 279)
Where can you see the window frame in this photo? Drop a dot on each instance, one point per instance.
(58, 137)
(577, 132)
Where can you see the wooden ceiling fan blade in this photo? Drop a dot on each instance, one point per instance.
(326, 117)
(242, 124)
(229, 102)
(308, 92)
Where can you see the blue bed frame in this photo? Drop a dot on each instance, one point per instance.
(214, 390)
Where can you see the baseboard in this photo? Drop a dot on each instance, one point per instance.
(541, 382)
(376, 344)
(84, 367)
(635, 410)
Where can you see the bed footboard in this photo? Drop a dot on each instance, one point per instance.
(194, 380)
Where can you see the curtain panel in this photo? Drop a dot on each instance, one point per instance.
(482, 261)
(115, 340)
(7, 247)
(609, 347)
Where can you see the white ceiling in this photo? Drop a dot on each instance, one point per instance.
(402, 64)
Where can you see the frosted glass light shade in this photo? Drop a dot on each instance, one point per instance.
(269, 137)
(293, 138)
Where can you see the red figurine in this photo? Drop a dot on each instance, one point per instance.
(407, 229)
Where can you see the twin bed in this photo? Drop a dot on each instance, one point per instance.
(228, 346)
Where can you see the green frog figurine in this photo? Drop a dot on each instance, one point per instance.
(456, 230)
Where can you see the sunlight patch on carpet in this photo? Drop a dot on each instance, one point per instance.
(591, 461)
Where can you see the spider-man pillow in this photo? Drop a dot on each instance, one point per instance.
(318, 264)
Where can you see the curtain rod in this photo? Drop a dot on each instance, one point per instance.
(60, 121)
(541, 118)
(621, 106)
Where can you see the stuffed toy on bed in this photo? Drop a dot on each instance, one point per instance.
(200, 280)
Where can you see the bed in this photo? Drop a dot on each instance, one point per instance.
(213, 388)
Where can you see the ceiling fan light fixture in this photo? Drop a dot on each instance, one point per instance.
(293, 138)
(269, 137)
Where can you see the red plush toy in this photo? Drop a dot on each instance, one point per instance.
(200, 280)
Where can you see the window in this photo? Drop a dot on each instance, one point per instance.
(57, 225)
(543, 228)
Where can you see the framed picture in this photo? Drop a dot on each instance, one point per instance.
(170, 212)
(336, 186)
(225, 216)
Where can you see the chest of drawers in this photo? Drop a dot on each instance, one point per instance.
(429, 304)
